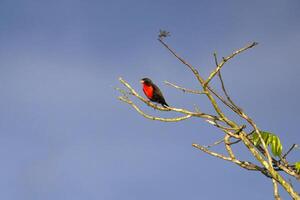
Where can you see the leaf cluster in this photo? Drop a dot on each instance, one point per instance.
(271, 140)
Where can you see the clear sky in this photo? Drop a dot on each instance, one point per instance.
(65, 136)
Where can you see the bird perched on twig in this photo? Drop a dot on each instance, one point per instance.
(153, 92)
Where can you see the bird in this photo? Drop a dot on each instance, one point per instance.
(152, 92)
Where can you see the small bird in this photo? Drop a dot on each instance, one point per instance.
(153, 92)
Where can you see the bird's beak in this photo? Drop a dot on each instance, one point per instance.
(141, 81)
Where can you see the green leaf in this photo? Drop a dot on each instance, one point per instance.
(297, 166)
(255, 139)
(271, 140)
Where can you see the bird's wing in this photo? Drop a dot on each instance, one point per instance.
(157, 91)
(158, 96)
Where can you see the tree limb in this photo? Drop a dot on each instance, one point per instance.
(177, 119)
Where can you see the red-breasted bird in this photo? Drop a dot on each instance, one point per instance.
(153, 92)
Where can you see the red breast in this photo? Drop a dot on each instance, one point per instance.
(148, 90)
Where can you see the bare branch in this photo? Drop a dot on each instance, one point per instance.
(222, 140)
(237, 108)
(228, 147)
(177, 119)
(243, 164)
(237, 141)
(211, 152)
(275, 188)
(224, 127)
(228, 129)
(193, 69)
(218, 68)
(292, 147)
(214, 144)
(184, 89)
(222, 99)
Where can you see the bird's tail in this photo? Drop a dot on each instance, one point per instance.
(164, 104)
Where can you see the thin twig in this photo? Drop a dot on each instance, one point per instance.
(226, 94)
(292, 147)
(237, 141)
(214, 144)
(193, 69)
(222, 99)
(211, 152)
(184, 89)
(243, 164)
(224, 127)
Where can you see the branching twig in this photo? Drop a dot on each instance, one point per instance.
(218, 68)
(201, 81)
(222, 140)
(236, 108)
(228, 129)
(228, 147)
(237, 141)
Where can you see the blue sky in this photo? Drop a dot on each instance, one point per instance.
(64, 135)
